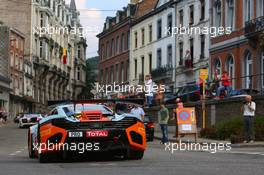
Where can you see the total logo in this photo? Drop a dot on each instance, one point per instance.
(99, 133)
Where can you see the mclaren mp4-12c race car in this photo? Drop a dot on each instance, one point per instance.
(90, 127)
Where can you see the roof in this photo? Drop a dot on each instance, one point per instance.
(144, 7)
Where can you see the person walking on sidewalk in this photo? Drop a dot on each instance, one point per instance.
(163, 118)
(248, 110)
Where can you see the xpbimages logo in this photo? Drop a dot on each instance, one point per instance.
(79, 147)
(189, 146)
(116, 88)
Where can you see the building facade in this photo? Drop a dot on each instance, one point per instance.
(192, 48)
(241, 52)
(54, 60)
(17, 101)
(152, 47)
(114, 48)
(4, 67)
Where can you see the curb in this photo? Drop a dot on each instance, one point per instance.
(243, 145)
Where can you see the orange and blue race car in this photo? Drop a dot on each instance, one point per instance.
(86, 128)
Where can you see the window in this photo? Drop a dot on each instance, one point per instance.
(112, 74)
(202, 10)
(128, 40)
(127, 70)
(202, 37)
(181, 53)
(169, 56)
(12, 62)
(106, 76)
(248, 70)
(191, 15)
(150, 63)
(159, 29)
(143, 37)
(79, 52)
(41, 20)
(101, 80)
(136, 39)
(169, 23)
(135, 68)
(112, 47)
(117, 44)
(78, 73)
(218, 66)
(260, 8)
(122, 48)
(191, 49)
(159, 58)
(102, 52)
(117, 73)
(54, 6)
(150, 33)
(41, 49)
(230, 13)
(143, 65)
(181, 17)
(122, 72)
(230, 67)
(248, 10)
(218, 14)
(107, 49)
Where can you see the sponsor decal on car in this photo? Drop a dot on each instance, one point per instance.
(97, 133)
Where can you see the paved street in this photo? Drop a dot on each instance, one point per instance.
(14, 160)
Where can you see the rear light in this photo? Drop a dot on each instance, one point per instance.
(150, 125)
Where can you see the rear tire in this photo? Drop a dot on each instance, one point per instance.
(136, 155)
(43, 158)
(31, 152)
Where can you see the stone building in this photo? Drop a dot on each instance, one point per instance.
(54, 60)
(4, 68)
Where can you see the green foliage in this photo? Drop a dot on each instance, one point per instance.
(233, 129)
(91, 77)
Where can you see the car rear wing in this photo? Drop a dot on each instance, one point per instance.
(132, 101)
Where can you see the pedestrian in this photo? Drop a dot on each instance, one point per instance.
(149, 90)
(163, 118)
(248, 109)
(226, 85)
(138, 111)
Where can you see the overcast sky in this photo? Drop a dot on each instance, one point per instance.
(93, 14)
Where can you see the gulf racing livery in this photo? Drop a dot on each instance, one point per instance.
(87, 127)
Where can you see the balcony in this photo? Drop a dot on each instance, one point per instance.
(162, 73)
(254, 27)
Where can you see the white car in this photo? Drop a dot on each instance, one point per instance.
(29, 120)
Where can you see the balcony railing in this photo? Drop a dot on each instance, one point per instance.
(254, 26)
(163, 72)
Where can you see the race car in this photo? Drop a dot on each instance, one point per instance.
(92, 125)
(29, 120)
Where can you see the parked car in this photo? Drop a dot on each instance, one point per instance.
(149, 127)
(189, 93)
(29, 120)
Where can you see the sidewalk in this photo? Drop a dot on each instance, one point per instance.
(191, 139)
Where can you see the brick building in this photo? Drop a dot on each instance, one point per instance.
(114, 48)
(239, 53)
(17, 67)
